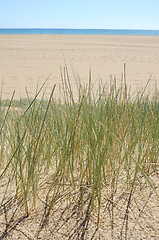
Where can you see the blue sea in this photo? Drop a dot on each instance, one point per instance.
(79, 31)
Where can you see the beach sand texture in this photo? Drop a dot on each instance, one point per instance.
(26, 60)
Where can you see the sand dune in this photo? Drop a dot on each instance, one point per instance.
(26, 60)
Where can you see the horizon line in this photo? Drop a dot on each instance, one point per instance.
(141, 29)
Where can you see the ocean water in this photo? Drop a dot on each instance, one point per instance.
(79, 31)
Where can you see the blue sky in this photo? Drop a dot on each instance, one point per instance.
(106, 14)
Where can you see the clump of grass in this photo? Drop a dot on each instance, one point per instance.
(84, 145)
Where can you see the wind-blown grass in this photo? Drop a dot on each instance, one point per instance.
(86, 145)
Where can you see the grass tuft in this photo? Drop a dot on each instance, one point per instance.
(103, 141)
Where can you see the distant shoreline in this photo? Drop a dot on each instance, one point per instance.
(64, 31)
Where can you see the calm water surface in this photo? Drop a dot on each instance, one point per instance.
(80, 31)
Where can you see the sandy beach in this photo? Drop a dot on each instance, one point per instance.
(58, 159)
(26, 60)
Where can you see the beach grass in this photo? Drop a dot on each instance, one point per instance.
(100, 142)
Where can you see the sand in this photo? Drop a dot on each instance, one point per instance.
(26, 60)
(68, 221)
